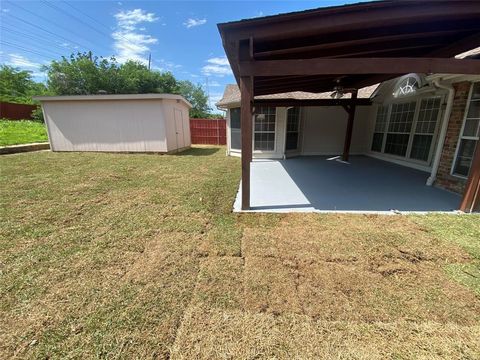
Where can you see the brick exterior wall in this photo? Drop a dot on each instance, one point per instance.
(444, 179)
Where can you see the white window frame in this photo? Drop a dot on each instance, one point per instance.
(274, 135)
(461, 137)
(418, 100)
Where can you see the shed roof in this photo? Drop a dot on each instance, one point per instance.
(117, 97)
(231, 95)
(317, 50)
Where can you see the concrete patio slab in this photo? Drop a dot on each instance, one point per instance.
(319, 184)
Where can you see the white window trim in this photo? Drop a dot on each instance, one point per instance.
(408, 98)
(460, 137)
(275, 135)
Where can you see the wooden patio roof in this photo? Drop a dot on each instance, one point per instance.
(352, 46)
(346, 48)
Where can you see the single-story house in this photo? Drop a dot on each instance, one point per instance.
(117, 123)
(388, 112)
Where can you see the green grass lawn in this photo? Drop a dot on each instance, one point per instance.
(138, 256)
(21, 132)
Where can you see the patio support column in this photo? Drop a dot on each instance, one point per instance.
(348, 133)
(246, 126)
(471, 196)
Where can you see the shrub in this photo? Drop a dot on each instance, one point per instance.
(37, 115)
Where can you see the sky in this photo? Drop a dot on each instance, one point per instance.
(181, 36)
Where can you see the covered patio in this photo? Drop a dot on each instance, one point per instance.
(343, 49)
(322, 184)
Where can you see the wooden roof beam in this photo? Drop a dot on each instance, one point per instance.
(323, 66)
(355, 42)
(312, 102)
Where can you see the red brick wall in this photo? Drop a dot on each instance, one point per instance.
(444, 179)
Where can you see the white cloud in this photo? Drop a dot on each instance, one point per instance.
(165, 65)
(222, 61)
(22, 62)
(217, 66)
(129, 43)
(189, 23)
(214, 83)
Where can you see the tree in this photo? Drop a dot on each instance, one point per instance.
(18, 86)
(138, 79)
(84, 73)
(195, 94)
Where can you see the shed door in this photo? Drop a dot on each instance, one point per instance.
(177, 114)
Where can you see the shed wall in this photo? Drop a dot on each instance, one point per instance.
(123, 126)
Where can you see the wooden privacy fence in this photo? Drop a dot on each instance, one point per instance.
(208, 131)
(16, 111)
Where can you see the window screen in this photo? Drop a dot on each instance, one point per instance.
(235, 129)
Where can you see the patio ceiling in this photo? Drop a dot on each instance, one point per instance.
(353, 45)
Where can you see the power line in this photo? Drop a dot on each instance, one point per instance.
(43, 29)
(51, 5)
(47, 20)
(33, 37)
(16, 46)
(94, 20)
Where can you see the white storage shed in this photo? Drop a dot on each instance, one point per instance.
(117, 123)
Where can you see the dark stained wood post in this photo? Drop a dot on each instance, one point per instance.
(471, 196)
(246, 126)
(348, 133)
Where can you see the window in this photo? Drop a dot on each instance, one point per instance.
(293, 123)
(399, 128)
(235, 129)
(380, 125)
(425, 129)
(264, 132)
(470, 134)
(407, 86)
(407, 129)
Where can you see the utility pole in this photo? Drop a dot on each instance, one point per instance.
(149, 60)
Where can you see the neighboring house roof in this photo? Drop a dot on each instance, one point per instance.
(114, 97)
(231, 95)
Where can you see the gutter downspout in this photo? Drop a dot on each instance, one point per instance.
(443, 130)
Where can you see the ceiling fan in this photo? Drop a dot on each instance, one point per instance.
(339, 91)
